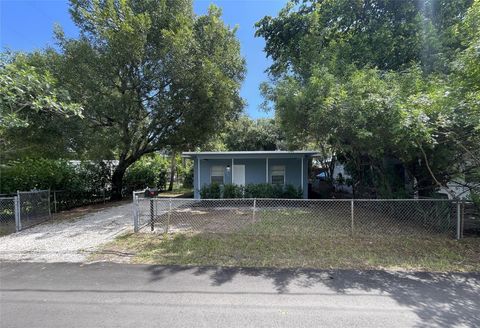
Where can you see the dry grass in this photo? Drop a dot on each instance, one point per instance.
(393, 252)
(283, 238)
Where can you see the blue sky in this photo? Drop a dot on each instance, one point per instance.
(28, 25)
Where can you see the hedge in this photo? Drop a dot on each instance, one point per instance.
(262, 190)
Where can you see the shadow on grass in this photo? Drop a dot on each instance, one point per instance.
(439, 299)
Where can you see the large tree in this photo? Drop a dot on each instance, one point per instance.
(30, 99)
(372, 83)
(253, 134)
(150, 74)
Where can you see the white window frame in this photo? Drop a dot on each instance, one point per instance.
(219, 167)
(278, 168)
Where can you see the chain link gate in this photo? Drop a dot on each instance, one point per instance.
(24, 210)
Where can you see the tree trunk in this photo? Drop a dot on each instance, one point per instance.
(172, 171)
(117, 181)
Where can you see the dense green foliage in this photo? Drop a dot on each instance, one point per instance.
(383, 86)
(55, 175)
(246, 134)
(187, 176)
(30, 98)
(78, 179)
(150, 75)
(148, 172)
(212, 191)
(261, 190)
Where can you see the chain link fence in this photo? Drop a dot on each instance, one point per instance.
(26, 209)
(7, 215)
(34, 207)
(62, 200)
(37, 206)
(328, 217)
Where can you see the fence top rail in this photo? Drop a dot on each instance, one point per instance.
(305, 200)
(32, 191)
(7, 198)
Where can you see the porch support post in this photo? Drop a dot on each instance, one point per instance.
(266, 169)
(198, 171)
(301, 177)
(232, 171)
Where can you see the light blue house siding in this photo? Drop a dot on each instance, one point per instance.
(258, 167)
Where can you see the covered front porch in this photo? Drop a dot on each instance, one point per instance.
(251, 167)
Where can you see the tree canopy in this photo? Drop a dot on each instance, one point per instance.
(375, 83)
(30, 97)
(150, 75)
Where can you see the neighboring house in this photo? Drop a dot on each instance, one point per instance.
(251, 167)
(460, 190)
(339, 179)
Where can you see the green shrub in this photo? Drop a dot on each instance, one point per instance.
(292, 192)
(232, 191)
(475, 197)
(262, 190)
(94, 175)
(139, 177)
(211, 191)
(40, 174)
(149, 171)
(188, 178)
(162, 180)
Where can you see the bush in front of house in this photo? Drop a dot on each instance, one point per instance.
(291, 192)
(261, 190)
(233, 191)
(266, 190)
(211, 191)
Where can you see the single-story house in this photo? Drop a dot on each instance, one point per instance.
(251, 167)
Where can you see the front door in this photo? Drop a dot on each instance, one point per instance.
(239, 175)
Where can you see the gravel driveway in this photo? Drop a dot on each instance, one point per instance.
(69, 240)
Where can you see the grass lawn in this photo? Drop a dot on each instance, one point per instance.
(393, 252)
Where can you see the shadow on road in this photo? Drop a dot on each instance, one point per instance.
(440, 299)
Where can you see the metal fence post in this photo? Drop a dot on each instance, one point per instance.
(169, 213)
(18, 221)
(49, 205)
(55, 201)
(462, 226)
(103, 192)
(459, 217)
(152, 222)
(254, 208)
(351, 211)
(135, 213)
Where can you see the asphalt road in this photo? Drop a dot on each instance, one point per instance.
(120, 295)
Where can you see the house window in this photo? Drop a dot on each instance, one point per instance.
(216, 174)
(278, 175)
